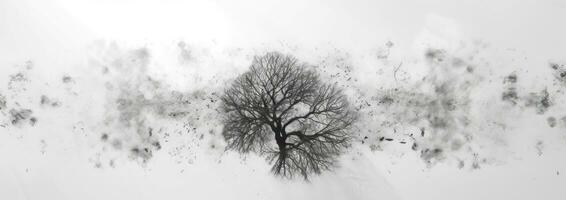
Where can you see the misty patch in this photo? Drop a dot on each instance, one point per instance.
(551, 121)
(383, 52)
(559, 72)
(185, 56)
(540, 101)
(430, 116)
(144, 115)
(3, 102)
(17, 82)
(49, 102)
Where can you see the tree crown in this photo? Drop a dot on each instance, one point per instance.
(281, 100)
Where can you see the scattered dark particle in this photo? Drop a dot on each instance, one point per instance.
(17, 116)
(104, 137)
(105, 70)
(540, 101)
(150, 131)
(545, 101)
(365, 137)
(50, 102)
(415, 146)
(389, 139)
(66, 79)
(29, 64)
(551, 121)
(386, 100)
(427, 154)
(403, 142)
(435, 55)
(144, 153)
(19, 77)
(470, 69)
(2, 102)
(475, 165)
(510, 95)
(559, 72)
(437, 151)
(539, 146)
(177, 114)
(32, 121)
(157, 145)
(422, 132)
(44, 100)
(512, 78)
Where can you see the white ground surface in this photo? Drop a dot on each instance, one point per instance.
(57, 157)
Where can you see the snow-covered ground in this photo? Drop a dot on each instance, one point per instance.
(119, 99)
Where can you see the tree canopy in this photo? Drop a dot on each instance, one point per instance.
(281, 109)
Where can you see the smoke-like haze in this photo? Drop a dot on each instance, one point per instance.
(119, 100)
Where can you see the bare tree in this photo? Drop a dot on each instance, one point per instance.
(281, 109)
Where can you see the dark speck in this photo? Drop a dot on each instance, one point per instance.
(32, 121)
(157, 145)
(66, 79)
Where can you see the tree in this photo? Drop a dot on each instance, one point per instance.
(280, 109)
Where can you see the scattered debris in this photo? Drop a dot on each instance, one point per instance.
(17, 117)
(46, 101)
(2, 102)
(540, 101)
(67, 79)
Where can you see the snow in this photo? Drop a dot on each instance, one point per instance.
(130, 91)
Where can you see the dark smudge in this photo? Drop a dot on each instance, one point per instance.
(20, 116)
